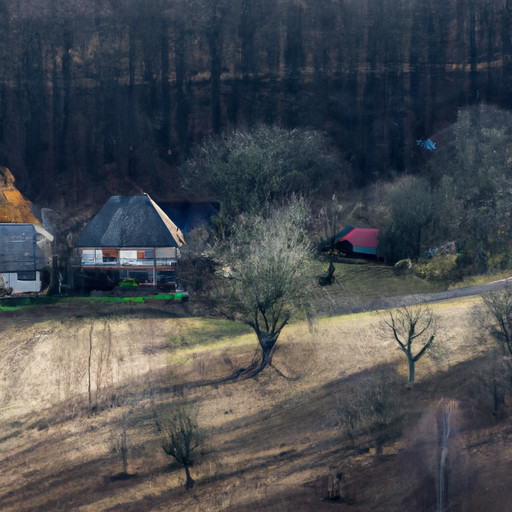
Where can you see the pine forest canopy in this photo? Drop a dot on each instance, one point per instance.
(98, 96)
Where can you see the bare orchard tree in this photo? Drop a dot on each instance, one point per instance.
(265, 278)
(448, 429)
(414, 329)
(330, 221)
(498, 309)
(180, 438)
(372, 407)
(120, 446)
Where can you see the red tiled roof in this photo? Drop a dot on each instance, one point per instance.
(362, 237)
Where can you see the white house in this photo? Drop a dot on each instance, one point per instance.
(25, 251)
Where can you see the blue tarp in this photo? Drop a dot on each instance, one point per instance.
(428, 145)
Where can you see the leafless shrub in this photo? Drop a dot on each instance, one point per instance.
(498, 306)
(334, 486)
(492, 320)
(490, 391)
(372, 408)
(180, 437)
(119, 446)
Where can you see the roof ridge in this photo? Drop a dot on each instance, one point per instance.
(169, 224)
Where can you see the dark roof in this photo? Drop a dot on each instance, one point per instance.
(187, 215)
(19, 250)
(345, 231)
(130, 221)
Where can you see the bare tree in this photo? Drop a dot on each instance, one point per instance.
(180, 438)
(414, 329)
(498, 305)
(438, 465)
(265, 277)
(447, 419)
(373, 408)
(120, 445)
(330, 221)
(495, 318)
(89, 360)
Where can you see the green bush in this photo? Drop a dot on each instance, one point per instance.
(442, 267)
(499, 261)
(403, 267)
(178, 340)
(128, 282)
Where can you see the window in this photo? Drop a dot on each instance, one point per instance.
(110, 255)
(145, 255)
(26, 276)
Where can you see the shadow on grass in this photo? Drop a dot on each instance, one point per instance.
(305, 415)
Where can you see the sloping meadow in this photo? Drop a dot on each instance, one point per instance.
(76, 380)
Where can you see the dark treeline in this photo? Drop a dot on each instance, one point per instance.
(116, 91)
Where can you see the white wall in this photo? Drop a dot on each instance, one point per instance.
(11, 280)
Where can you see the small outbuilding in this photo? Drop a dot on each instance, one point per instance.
(25, 254)
(357, 241)
(132, 238)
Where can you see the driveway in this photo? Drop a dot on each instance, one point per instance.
(353, 305)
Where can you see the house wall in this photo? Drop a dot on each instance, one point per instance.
(130, 257)
(22, 285)
(365, 250)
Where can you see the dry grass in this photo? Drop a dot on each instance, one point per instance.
(271, 443)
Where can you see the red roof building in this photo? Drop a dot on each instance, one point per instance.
(359, 241)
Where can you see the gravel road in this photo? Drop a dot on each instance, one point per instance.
(330, 306)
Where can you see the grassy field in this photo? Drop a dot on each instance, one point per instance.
(270, 444)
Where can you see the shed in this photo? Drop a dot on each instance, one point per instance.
(358, 241)
(24, 253)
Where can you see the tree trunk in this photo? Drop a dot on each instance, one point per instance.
(379, 449)
(448, 430)
(190, 481)
(267, 343)
(442, 482)
(410, 384)
(89, 392)
(256, 368)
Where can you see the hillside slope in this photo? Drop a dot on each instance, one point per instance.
(270, 443)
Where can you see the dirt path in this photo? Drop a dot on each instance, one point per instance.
(354, 305)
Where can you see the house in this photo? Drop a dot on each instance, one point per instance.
(25, 254)
(357, 241)
(131, 237)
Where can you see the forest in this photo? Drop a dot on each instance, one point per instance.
(109, 97)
